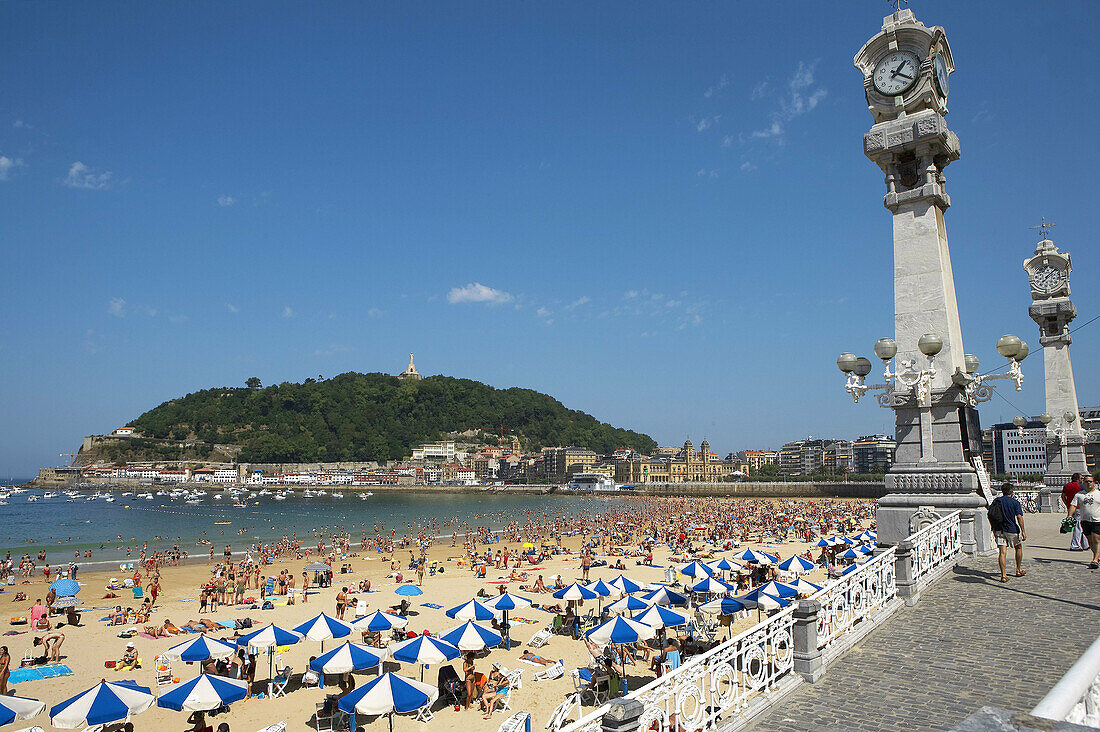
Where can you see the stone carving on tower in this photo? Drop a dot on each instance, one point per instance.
(933, 385)
(1048, 273)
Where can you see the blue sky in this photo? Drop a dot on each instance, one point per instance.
(657, 213)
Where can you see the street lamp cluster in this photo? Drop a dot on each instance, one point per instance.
(918, 381)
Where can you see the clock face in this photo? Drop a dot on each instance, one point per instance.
(896, 72)
(941, 74)
(1049, 279)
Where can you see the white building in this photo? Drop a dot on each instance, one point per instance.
(173, 476)
(443, 451)
(226, 475)
(1024, 454)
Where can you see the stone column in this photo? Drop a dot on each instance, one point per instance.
(808, 660)
(622, 716)
(904, 573)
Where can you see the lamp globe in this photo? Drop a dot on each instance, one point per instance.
(972, 363)
(930, 344)
(1009, 346)
(863, 366)
(846, 362)
(886, 348)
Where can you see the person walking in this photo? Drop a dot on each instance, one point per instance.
(1069, 490)
(1087, 504)
(1006, 518)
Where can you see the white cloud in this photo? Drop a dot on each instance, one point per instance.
(542, 312)
(7, 165)
(117, 307)
(232, 308)
(705, 173)
(178, 318)
(81, 176)
(802, 97)
(477, 292)
(747, 166)
(728, 141)
(582, 300)
(706, 122)
(20, 124)
(716, 88)
(287, 312)
(630, 294)
(775, 130)
(374, 313)
(760, 90)
(226, 201)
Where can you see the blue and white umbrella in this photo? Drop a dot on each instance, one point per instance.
(866, 549)
(620, 630)
(388, 694)
(106, 702)
(756, 557)
(697, 569)
(661, 617)
(64, 602)
(425, 650)
(508, 601)
(472, 637)
(16, 707)
(201, 648)
(269, 637)
(804, 587)
(777, 589)
(851, 553)
(796, 563)
(665, 596)
(723, 565)
(575, 592)
(203, 693)
(601, 588)
(379, 621)
(65, 587)
(627, 604)
(823, 542)
(622, 583)
(849, 568)
(762, 601)
(323, 628)
(723, 606)
(473, 610)
(348, 657)
(848, 540)
(712, 586)
(866, 536)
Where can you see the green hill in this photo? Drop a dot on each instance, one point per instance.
(373, 417)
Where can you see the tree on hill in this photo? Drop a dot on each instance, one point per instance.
(253, 382)
(357, 416)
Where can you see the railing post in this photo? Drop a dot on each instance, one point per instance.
(622, 716)
(968, 532)
(905, 572)
(1050, 500)
(808, 660)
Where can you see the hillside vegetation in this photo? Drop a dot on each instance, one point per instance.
(373, 417)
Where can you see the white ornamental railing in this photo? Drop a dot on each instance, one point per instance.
(1076, 697)
(723, 680)
(936, 545)
(855, 597)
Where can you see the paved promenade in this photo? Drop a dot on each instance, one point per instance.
(970, 642)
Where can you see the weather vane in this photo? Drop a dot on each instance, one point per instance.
(1044, 228)
(898, 4)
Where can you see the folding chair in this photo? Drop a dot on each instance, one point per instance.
(361, 608)
(279, 683)
(541, 638)
(424, 713)
(325, 716)
(277, 727)
(563, 711)
(164, 671)
(549, 673)
(671, 662)
(518, 722)
(514, 678)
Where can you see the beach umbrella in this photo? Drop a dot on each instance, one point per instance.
(777, 589)
(723, 606)
(872, 534)
(661, 617)
(106, 702)
(847, 540)
(424, 650)
(323, 628)
(575, 592)
(823, 542)
(65, 587)
(389, 694)
(849, 568)
(627, 604)
(795, 563)
(201, 648)
(409, 591)
(203, 693)
(697, 569)
(601, 588)
(665, 596)
(624, 584)
(851, 553)
(316, 567)
(508, 601)
(712, 586)
(865, 536)
(379, 621)
(620, 630)
(64, 602)
(866, 549)
(269, 637)
(348, 657)
(761, 601)
(756, 557)
(472, 637)
(16, 707)
(723, 565)
(804, 587)
(472, 610)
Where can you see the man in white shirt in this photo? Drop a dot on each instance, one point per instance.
(1087, 503)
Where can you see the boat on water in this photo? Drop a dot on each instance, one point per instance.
(337, 495)
(48, 494)
(32, 499)
(239, 504)
(280, 497)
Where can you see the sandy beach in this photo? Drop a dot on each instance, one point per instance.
(88, 646)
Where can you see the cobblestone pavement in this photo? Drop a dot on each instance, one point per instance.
(970, 641)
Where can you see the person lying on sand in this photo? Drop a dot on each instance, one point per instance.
(535, 658)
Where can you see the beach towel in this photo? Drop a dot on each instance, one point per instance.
(37, 673)
(432, 605)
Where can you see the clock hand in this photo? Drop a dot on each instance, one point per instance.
(904, 76)
(898, 69)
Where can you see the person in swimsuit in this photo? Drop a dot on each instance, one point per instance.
(468, 674)
(341, 602)
(5, 669)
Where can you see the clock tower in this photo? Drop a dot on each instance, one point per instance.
(905, 71)
(1048, 272)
